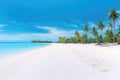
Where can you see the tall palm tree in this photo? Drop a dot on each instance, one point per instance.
(77, 37)
(86, 28)
(84, 38)
(62, 40)
(109, 36)
(101, 25)
(118, 36)
(94, 30)
(110, 25)
(95, 33)
(113, 16)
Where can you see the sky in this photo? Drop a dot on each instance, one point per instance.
(26, 20)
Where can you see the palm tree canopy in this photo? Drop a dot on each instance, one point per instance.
(111, 25)
(113, 15)
(107, 32)
(62, 39)
(77, 36)
(95, 32)
(100, 25)
(86, 28)
(77, 33)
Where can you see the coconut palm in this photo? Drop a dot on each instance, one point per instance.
(62, 40)
(86, 28)
(109, 36)
(110, 25)
(95, 33)
(77, 37)
(113, 16)
(84, 38)
(118, 36)
(101, 25)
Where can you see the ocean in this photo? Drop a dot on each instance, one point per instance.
(10, 48)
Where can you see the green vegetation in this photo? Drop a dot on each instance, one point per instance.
(37, 41)
(97, 34)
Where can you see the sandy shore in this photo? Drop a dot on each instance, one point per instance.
(63, 62)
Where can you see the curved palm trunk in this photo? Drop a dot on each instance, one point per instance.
(114, 32)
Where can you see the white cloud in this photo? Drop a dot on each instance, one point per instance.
(52, 34)
(3, 25)
(50, 29)
(55, 33)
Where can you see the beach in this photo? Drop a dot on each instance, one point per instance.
(63, 62)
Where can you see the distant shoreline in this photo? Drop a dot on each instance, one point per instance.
(14, 42)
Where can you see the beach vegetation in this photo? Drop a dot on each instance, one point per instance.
(109, 33)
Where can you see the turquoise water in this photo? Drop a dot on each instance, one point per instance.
(13, 48)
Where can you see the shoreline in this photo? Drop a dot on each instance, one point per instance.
(63, 62)
(23, 51)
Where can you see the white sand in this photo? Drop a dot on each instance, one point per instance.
(63, 62)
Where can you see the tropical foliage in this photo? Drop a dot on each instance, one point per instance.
(98, 34)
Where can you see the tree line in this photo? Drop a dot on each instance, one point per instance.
(99, 33)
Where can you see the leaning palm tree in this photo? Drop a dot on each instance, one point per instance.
(86, 28)
(62, 40)
(109, 36)
(113, 16)
(95, 33)
(101, 25)
(110, 25)
(77, 37)
(84, 38)
(118, 36)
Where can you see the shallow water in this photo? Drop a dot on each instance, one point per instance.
(7, 48)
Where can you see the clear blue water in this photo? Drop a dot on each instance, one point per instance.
(13, 48)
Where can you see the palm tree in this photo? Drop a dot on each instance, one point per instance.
(95, 33)
(113, 16)
(62, 40)
(101, 25)
(72, 40)
(110, 25)
(84, 38)
(77, 37)
(86, 28)
(118, 36)
(109, 36)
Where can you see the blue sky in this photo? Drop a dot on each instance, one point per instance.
(25, 20)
